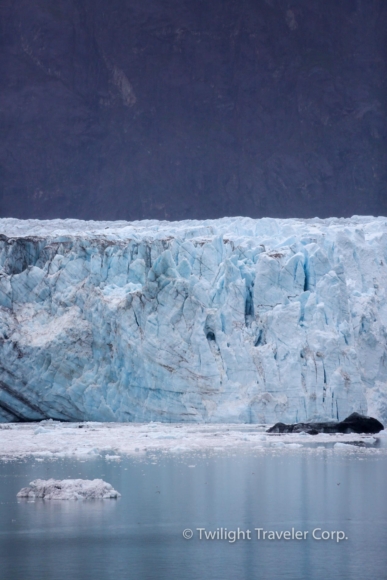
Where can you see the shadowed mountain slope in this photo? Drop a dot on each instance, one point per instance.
(190, 109)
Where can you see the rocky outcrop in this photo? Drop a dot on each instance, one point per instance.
(355, 423)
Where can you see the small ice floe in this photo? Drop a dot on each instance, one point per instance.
(345, 446)
(42, 430)
(68, 489)
(179, 449)
(113, 457)
(85, 452)
(161, 435)
(283, 445)
(369, 440)
(42, 454)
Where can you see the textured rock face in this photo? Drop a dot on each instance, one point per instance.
(355, 423)
(228, 320)
(133, 109)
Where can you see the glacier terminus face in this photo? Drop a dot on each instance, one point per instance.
(230, 320)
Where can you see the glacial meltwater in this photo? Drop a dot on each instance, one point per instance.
(211, 496)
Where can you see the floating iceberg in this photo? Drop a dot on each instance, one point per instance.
(231, 320)
(68, 489)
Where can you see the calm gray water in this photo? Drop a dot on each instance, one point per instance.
(139, 537)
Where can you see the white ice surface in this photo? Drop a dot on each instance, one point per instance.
(68, 489)
(115, 440)
(233, 320)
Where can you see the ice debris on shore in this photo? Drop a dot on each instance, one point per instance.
(112, 442)
(231, 320)
(68, 489)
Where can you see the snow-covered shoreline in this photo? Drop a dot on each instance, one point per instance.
(54, 440)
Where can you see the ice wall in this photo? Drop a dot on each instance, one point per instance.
(235, 320)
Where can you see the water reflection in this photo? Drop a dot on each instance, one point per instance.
(140, 535)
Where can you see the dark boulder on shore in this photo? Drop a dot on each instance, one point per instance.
(355, 423)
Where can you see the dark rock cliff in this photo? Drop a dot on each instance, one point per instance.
(184, 108)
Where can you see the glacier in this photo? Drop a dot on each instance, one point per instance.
(232, 320)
